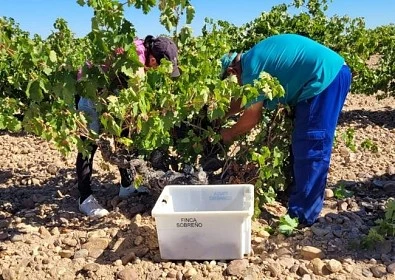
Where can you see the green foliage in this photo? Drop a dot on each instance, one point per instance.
(368, 144)
(341, 192)
(269, 196)
(349, 139)
(270, 150)
(287, 225)
(385, 227)
(9, 108)
(372, 239)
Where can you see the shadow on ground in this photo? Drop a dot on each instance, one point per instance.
(363, 118)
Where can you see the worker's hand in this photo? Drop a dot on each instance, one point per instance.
(227, 136)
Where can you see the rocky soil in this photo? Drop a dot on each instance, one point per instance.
(43, 236)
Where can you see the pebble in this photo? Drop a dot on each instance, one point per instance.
(274, 269)
(83, 253)
(128, 257)
(35, 181)
(128, 274)
(334, 266)
(366, 272)
(91, 267)
(343, 206)
(310, 252)
(66, 253)
(378, 271)
(44, 232)
(391, 268)
(171, 274)
(52, 169)
(96, 243)
(70, 242)
(391, 169)
(55, 231)
(329, 193)
(317, 266)
(17, 238)
(179, 275)
(191, 272)
(302, 270)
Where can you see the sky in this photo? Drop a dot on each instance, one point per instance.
(38, 16)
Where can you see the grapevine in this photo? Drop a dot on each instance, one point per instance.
(39, 85)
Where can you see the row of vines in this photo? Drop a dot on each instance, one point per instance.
(38, 82)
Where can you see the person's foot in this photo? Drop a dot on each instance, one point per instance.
(131, 191)
(92, 208)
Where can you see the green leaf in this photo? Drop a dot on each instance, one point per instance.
(125, 141)
(244, 100)
(53, 56)
(47, 70)
(14, 125)
(34, 91)
(190, 14)
(68, 90)
(287, 225)
(127, 70)
(341, 192)
(3, 123)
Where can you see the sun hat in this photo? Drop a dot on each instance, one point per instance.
(162, 47)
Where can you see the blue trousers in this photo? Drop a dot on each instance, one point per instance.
(312, 139)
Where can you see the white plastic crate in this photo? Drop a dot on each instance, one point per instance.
(204, 222)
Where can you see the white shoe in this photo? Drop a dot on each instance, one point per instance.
(131, 191)
(92, 208)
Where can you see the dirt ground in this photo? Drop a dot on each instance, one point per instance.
(43, 236)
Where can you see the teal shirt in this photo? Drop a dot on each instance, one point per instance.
(303, 67)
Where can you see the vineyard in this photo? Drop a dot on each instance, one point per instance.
(167, 131)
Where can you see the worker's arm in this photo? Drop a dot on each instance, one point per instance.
(235, 107)
(251, 116)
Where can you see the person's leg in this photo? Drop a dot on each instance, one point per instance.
(84, 173)
(312, 140)
(126, 187)
(126, 177)
(84, 165)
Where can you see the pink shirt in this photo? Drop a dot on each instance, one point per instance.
(140, 49)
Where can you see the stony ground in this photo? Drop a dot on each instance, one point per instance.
(43, 236)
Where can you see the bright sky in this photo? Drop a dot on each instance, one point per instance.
(38, 16)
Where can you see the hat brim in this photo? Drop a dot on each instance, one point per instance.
(176, 71)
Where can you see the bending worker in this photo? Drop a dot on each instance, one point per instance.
(316, 81)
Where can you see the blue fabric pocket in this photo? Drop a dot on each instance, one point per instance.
(309, 145)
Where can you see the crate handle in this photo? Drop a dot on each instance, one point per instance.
(165, 199)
